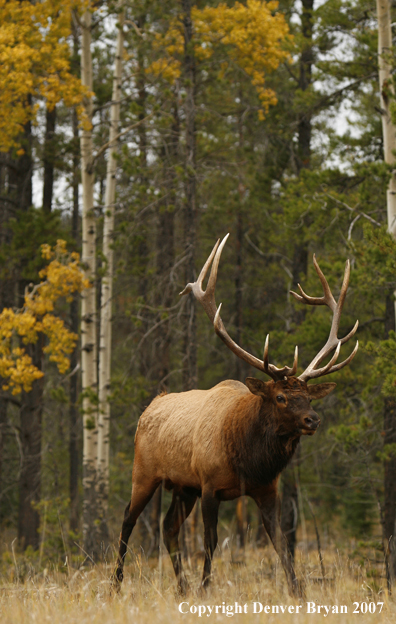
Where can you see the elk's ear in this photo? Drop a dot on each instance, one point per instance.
(321, 390)
(256, 386)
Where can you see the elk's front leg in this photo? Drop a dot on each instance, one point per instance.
(269, 505)
(210, 511)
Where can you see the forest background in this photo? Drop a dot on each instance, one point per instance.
(262, 120)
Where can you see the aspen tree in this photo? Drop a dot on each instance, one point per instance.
(107, 289)
(88, 307)
(386, 95)
(389, 142)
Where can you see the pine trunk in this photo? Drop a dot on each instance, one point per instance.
(30, 439)
(190, 373)
(20, 185)
(3, 425)
(289, 517)
(165, 292)
(48, 159)
(74, 424)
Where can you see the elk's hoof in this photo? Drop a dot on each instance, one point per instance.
(116, 580)
(183, 586)
(297, 590)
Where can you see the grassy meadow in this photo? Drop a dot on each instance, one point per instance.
(68, 594)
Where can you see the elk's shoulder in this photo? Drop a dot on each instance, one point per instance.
(234, 385)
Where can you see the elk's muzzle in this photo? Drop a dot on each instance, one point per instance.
(310, 423)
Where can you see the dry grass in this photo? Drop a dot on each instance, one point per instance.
(148, 593)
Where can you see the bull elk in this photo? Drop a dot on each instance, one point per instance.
(231, 440)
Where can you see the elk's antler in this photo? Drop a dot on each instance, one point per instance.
(333, 342)
(208, 302)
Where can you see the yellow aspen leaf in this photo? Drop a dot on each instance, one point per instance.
(34, 61)
(61, 278)
(252, 35)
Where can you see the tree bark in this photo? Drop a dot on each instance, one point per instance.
(74, 424)
(20, 174)
(289, 517)
(165, 246)
(305, 79)
(239, 365)
(389, 505)
(20, 186)
(30, 440)
(190, 372)
(88, 311)
(3, 424)
(389, 142)
(107, 294)
(48, 159)
(386, 94)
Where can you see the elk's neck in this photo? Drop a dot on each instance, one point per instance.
(258, 452)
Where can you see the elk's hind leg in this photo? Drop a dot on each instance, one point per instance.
(141, 496)
(182, 504)
(210, 511)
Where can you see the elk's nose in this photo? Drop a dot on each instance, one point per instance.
(312, 421)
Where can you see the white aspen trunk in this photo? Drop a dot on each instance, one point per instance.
(88, 310)
(107, 288)
(386, 92)
(389, 140)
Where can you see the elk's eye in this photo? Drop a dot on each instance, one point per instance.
(280, 398)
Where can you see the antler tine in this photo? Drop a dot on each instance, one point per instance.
(345, 284)
(340, 303)
(351, 333)
(213, 272)
(275, 372)
(307, 374)
(207, 264)
(265, 355)
(333, 342)
(327, 298)
(190, 286)
(295, 362)
(350, 357)
(207, 297)
(304, 298)
(319, 372)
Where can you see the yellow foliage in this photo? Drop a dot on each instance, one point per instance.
(60, 278)
(34, 61)
(252, 36)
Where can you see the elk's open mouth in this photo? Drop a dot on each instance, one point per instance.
(308, 431)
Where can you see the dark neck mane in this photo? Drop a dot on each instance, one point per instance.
(258, 452)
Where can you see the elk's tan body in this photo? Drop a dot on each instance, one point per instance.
(181, 438)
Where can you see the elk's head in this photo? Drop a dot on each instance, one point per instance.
(290, 395)
(290, 400)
